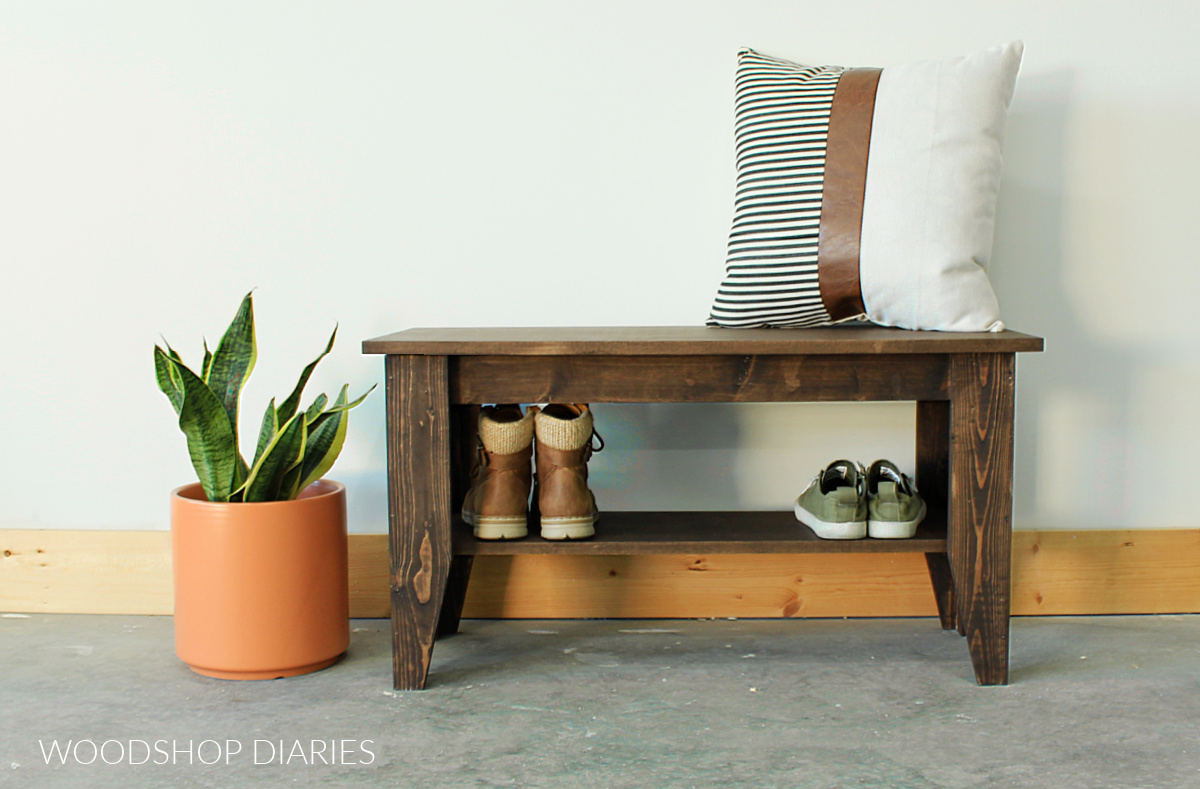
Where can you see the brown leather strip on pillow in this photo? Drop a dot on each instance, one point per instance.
(845, 184)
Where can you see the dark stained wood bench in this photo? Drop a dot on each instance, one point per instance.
(963, 385)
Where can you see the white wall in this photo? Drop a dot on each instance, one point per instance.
(395, 164)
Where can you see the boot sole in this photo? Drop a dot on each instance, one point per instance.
(499, 528)
(568, 528)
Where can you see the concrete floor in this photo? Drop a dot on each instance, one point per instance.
(1094, 702)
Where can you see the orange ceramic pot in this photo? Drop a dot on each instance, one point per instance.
(261, 589)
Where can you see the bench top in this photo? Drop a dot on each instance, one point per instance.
(691, 341)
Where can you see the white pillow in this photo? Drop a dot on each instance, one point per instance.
(867, 193)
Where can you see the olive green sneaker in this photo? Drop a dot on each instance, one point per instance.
(834, 505)
(895, 508)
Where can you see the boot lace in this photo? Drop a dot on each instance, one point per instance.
(592, 448)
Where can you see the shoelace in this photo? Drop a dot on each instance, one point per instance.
(592, 448)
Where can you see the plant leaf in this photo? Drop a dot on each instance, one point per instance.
(206, 367)
(289, 406)
(270, 426)
(324, 445)
(315, 409)
(326, 434)
(265, 480)
(291, 484)
(240, 470)
(233, 361)
(211, 441)
(168, 380)
(343, 406)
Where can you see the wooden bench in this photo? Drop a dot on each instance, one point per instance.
(963, 385)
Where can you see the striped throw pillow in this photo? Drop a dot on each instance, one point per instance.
(866, 193)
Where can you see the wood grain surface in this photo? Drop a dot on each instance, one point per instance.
(632, 533)
(1054, 573)
(692, 340)
(464, 438)
(696, 379)
(418, 419)
(980, 515)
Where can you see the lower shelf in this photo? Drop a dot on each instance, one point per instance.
(628, 533)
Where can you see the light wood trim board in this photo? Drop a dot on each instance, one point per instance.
(1054, 573)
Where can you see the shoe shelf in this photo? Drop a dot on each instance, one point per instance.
(626, 533)
(963, 384)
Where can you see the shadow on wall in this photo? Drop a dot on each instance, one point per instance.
(665, 457)
(1073, 456)
(747, 456)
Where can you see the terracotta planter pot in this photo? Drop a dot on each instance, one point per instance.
(262, 589)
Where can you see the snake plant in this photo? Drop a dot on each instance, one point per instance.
(295, 448)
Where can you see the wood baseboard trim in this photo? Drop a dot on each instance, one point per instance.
(1132, 571)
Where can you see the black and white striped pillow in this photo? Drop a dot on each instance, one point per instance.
(866, 193)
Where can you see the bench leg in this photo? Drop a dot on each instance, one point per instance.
(943, 587)
(464, 440)
(456, 595)
(418, 419)
(933, 480)
(980, 527)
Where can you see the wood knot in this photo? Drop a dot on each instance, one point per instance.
(612, 573)
(745, 370)
(423, 581)
(792, 607)
(700, 565)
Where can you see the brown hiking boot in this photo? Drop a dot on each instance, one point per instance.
(497, 505)
(564, 505)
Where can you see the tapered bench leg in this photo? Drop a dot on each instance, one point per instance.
(933, 480)
(943, 587)
(456, 595)
(419, 509)
(980, 516)
(464, 440)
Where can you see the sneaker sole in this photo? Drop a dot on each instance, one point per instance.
(844, 530)
(568, 528)
(895, 530)
(499, 528)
